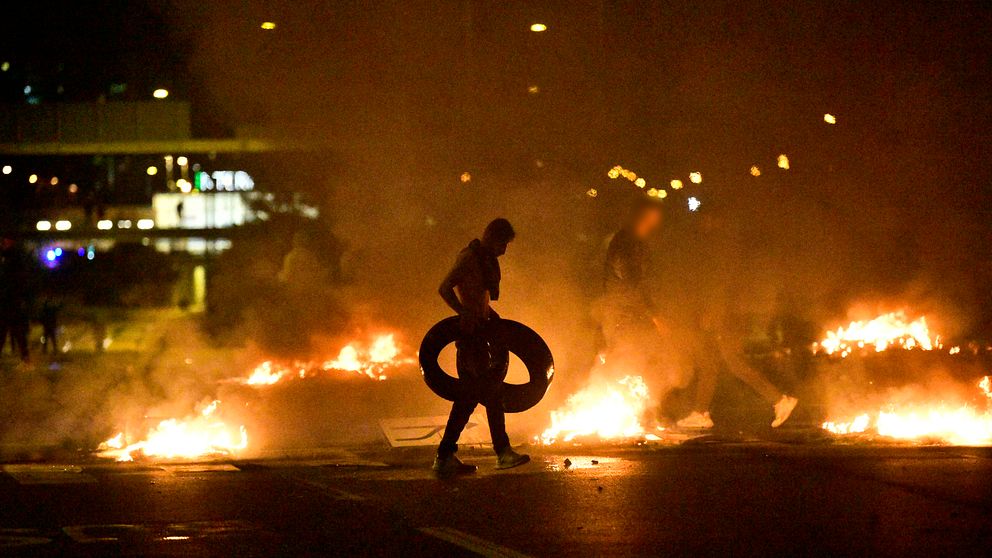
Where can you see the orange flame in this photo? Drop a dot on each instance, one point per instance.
(199, 435)
(607, 411)
(962, 425)
(372, 361)
(886, 331)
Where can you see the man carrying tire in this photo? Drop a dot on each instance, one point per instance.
(468, 288)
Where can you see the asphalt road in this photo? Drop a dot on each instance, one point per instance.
(697, 499)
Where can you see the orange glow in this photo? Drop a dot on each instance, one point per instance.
(373, 361)
(196, 436)
(956, 425)
(607, 411)
(888, 330)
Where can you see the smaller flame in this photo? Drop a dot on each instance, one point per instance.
(200, 435)
(372, 361)
(886, 331)
(963, 425)
(264, 375)
(608, 411)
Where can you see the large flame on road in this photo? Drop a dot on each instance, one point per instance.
(886, 331)
(604, 410)
(958, 425)
(371, 360)
(201, 435)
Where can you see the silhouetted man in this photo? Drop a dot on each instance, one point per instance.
(468, 288)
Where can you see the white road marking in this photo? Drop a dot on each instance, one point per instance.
(335, 493)
(34, 473)
(19, 538)
(472, 543)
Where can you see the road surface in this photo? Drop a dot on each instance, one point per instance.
(697, 499)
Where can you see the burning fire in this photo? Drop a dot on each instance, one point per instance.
(372, 361)
(608, 411)
(200, 435)
(888, 330)
(962, 425)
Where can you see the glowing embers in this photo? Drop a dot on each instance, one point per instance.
(604, 410)
(204, 434)
(884, 332)
(965, 425)
(372, 360)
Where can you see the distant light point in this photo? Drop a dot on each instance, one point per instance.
(268, 25)
(829, 118)
(538, 27)
(160, 93)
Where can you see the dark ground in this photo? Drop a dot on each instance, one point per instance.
(726, 498)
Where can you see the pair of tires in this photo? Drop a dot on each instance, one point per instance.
(504, 337)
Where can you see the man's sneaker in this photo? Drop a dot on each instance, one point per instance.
(696, 420)
(450, 466)
(783, 409)
(508, 459)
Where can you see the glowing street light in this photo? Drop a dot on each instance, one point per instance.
(694, 204)
(182, 161)
(104, 224)
(268, 25)
(62, 225)
(783, 162)
(145, 224)
(7, 169)
(538, 27)
(755, 171)
(152, 170)
(829, 118)
(695, 177)
(33, 178)
(44, 225)
(54, 181)
(676, 184)
(160, 93)
(184, 185)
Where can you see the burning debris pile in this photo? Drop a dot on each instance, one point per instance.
(204, 434)
(372, 361)
(957, 425)
(886, 331)
(607, 411)
(207, 434)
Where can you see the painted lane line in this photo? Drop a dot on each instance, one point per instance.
(335, 493)
(482, 547)
(32, 473)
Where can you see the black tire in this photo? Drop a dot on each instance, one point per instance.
(516, 338)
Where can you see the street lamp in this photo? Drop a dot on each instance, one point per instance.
(538, 27)
(268, 25)
(152, 170)
(160, 93)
